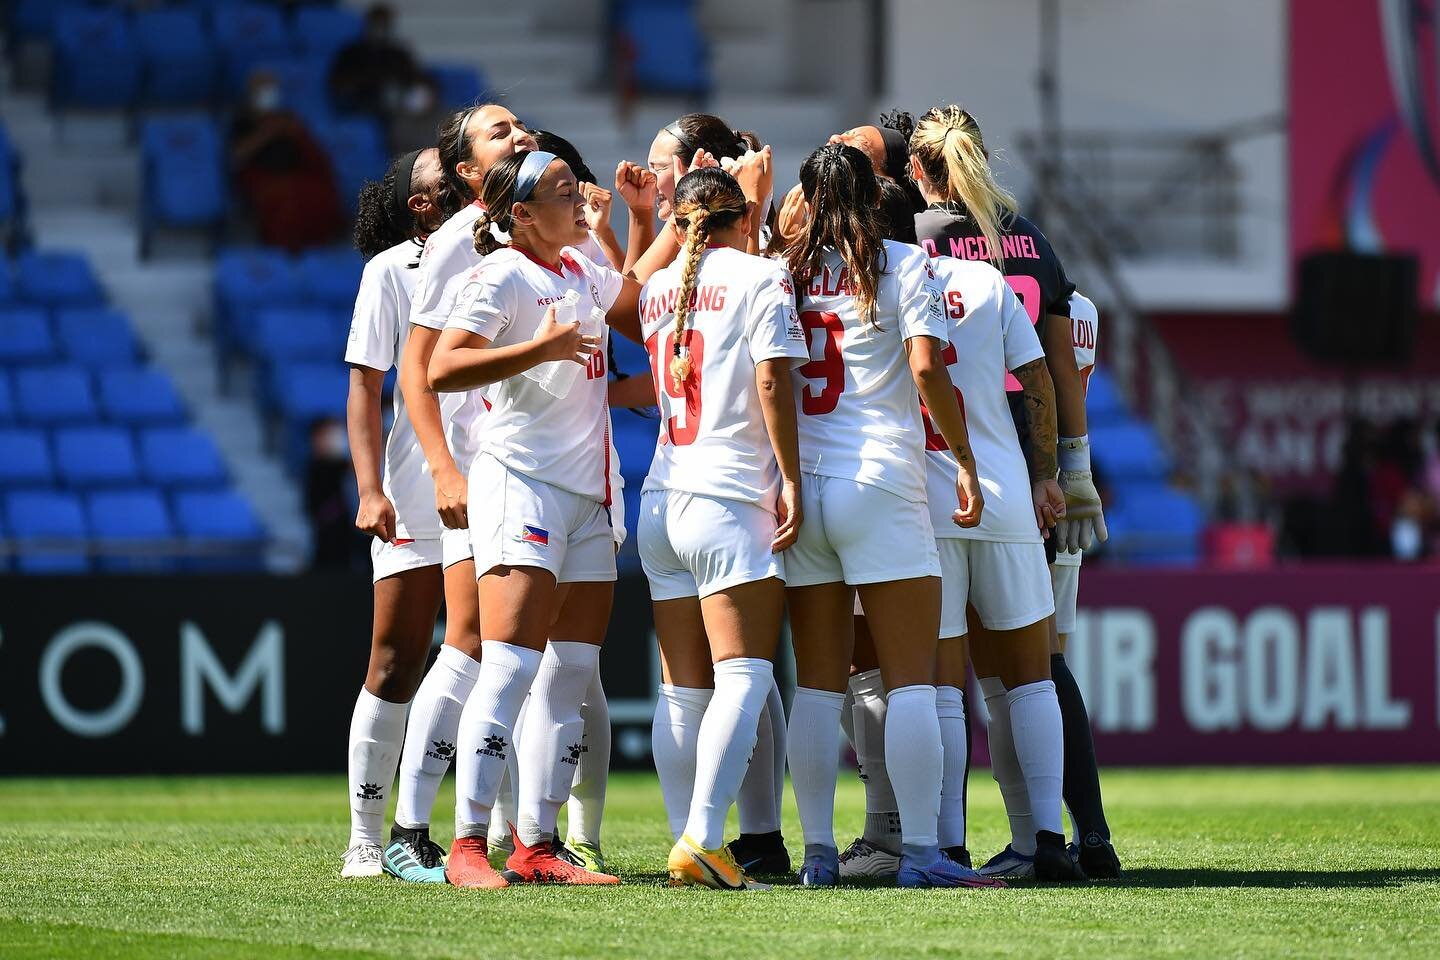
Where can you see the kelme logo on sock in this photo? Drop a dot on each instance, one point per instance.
(370, 791)
(494, 747)
(441, 750)
(575, 750)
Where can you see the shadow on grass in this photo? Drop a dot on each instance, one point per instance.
(1162, 878)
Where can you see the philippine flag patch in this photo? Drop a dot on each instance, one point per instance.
(529, 534)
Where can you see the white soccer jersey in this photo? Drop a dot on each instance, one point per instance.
(562, 442)
(1084, 330)
(990, 333)
(379, 328)
(712, 439)
(859, 412)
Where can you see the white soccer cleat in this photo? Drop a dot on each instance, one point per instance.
(362, 860)
(862, 859)
(1009, 865)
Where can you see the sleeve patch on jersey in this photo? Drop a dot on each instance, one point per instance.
(936, 307)
(793, 330)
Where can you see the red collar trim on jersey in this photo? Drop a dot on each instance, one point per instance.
(477, 203)
(556, 269)
(713, 245)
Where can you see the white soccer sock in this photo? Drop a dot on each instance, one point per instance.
(912, 744)
(673, 738)
(950, 708)
(1005, 767)
(586, 809)
(377, 728)
(502, 814)
(552, 741)
(763, 789)
(814, 755)
(723, 748)
(486, 739)
(867, 716)
(1040, 747)
(430, 736)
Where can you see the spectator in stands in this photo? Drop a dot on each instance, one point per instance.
(282, 172)
(328, 498)
(418, 120)
(375, 73)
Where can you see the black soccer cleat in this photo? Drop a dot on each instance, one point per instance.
(1052, 860)
(761, 853)
(1097, 857)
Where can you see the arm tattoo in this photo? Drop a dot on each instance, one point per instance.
(1038, 398)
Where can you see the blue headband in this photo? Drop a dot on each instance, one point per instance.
(532, 168)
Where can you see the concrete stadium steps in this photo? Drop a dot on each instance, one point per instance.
(81, 177)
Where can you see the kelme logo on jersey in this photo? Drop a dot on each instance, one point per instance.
(529, 534)
(494, 747)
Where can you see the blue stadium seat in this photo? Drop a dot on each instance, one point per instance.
(669, 48)
(35, 19)
(224, 524)
(181, 457)
(331, 277)
(289, 334)
(128, 526)
(246, 280)
(7, 398)
(459, 84)
(1158, 527)
(55, 395)
(321, 31)
(183, 165)
(25, 459)
(25, 336)
(96, 457)
(356, 146)
(96, 337)
(306, 391)
(1103, 404)
(179, 58)
(303, 86)
(248, 33)
(57, 278)
(140, 396)
(56, 520)
(8, 293)
(96, 60)
(1128, 449)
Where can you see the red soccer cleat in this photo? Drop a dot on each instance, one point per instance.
(469, 866)
(539, 864)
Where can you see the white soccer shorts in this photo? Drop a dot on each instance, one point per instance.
(859, 533)
(693, 546)
(397, 556)
(1007, 583)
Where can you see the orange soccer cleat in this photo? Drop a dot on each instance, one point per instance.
(539, 864)
(469, 866)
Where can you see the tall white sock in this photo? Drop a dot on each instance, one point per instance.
(1005, 767)
(950, 708)
(673, 738)
(723, 748)
(552, 740)
(867, 717)
(503, 814)
(912, 744)
(814, 755)
(1039, 736)
(486, 739)
(763, 790)
(430, 735)
(586, 809)
(377, 728)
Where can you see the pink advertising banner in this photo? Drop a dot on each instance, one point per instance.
(1365, 130)
(1313, 664)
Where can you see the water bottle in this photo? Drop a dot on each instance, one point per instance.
(557, 377)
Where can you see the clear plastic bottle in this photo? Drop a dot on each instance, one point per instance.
(557, 377)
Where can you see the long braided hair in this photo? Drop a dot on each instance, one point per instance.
(497, 197)
(951, 151)
(840, 185)
(706, 200)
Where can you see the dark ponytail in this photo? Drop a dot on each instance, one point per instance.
(384, 217)
(844, 197)
(497, 197)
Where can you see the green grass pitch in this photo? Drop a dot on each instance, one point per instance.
(1253, 863)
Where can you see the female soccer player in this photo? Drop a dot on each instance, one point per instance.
(876, 330)
(544, 549)
(683, 696)
(396, 508)
(971, 217)
(721, 500)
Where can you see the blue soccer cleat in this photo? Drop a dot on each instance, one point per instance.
(929, 869)
(821, 867)
(413, 857)
(1009, 865)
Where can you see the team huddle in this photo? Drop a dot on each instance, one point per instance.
(871, 419)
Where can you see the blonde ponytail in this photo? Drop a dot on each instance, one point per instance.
(951, 151)
(697, 234)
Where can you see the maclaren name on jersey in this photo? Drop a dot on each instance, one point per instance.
(829, 284)
(710, 296)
